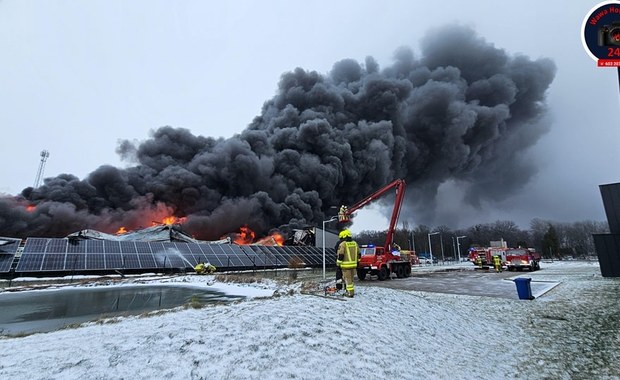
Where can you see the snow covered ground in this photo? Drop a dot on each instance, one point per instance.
(571, 332)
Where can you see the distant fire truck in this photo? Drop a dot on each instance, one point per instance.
(512, 258)
(520, 258)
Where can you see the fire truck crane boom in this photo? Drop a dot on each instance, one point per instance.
(399, 185)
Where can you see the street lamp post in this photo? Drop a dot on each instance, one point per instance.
(323, 233)
(430, 247)
(454, 248)
(443, 259)
(458, 245)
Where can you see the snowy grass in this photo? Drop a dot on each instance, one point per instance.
(572, 332)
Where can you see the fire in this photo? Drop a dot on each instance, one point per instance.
(30, 208)
(273, 239)
(121, 231)
(244, 236)
(278, 238)
(170, 220)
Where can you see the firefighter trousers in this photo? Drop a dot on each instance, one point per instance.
(347, 276)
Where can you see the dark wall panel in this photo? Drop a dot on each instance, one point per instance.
(608, 251)
(611, 201)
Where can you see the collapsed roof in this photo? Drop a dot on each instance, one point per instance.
(164, 232)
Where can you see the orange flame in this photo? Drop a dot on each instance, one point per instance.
(244, 236)
(274, 239)
(170, 220)
(30, 208)
(121, 231)
(279, 239)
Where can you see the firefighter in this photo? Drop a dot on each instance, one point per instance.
(210, 268)
(342, 214)
(200, 268)
(338, 269)
(497, 263)
(348, 256)
(479, 261)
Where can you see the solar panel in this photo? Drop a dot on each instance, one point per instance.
(7, 253)
(176, 261)
(147, 261)
(312, 255)
(233, 259)
(330, 256)
(95, 261)
(266, 256)
(217, 249)
(5, 262)
(53, 262)
(182, 247)
(76, 246)
(274, 255)
(209, 256)
(30, 262)
(186, 251)
(111, 246)
(157, 247)
(306, 256)
(195, 248)
(257, 259)
(127, 247)
(285, 254)
(75, 261)
(94, 246)
(35, 245)
(56, 246)
(143, 247)
(10, 246)
(42, 254)
(124, 261)
(238, 252)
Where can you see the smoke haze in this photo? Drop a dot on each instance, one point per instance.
(463, 112)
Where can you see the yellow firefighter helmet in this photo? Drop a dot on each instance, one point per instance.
(344, 234)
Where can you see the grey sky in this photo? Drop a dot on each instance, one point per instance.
(78, 76)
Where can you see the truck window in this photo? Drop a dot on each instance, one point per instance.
(367, 251)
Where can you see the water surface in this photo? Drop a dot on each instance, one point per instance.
(48, 310)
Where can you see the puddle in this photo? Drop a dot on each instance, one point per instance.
(49, 310)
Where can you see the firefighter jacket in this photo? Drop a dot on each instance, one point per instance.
(348, 254)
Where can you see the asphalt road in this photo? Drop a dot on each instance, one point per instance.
(463, 280)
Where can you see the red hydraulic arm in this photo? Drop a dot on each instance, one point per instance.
(399, 184)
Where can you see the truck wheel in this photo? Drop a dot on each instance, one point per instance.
(400, 271)
(361, 274)
(383, 273)
(407, 271)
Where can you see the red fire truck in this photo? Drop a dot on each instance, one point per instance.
(388, 259)
(522, 258)
(512, 258)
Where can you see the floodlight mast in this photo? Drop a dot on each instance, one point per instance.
(44, 156)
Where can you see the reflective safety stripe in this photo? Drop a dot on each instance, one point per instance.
(350, 255)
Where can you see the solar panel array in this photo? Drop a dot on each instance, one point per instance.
(72, 255)
(7, 253)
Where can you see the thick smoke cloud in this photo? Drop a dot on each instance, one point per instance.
(463, 111)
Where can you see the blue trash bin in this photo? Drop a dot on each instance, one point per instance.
(524, 289)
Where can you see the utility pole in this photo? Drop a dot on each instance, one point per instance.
(37, 181)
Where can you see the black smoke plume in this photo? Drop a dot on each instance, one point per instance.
(463, 111)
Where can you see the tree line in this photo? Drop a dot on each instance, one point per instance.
(552, 239)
